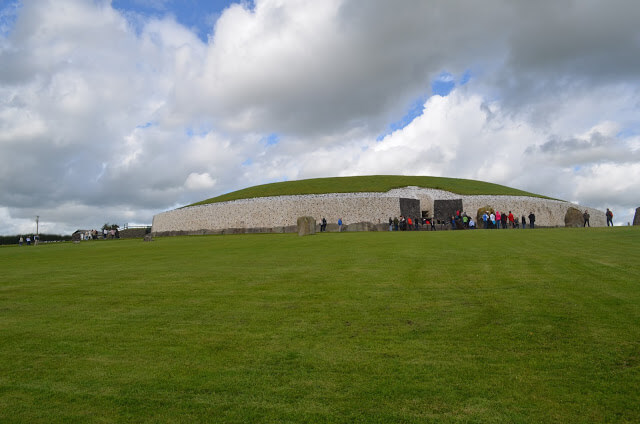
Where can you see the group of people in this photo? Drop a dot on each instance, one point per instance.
(411, 224)
(498, 220)
(35, 238)
(608, 215)
(490, 220)
(95, 234)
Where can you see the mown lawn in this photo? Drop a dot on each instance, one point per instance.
(477, 326)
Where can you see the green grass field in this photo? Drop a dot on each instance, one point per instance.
(513, 326)
(371, 183)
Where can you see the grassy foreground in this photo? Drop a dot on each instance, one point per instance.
(370, 183)
(477, 326)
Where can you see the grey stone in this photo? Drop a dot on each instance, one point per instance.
(359, 226)
(445, 209)
(410, 207)
(636, 218)
(573, 218)
(306, 225)
(148, 237)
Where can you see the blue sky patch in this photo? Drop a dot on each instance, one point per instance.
(443, 85)
(271, 140)
(627, 132)
(415, 109)
(197, 132)
(198, 15)
(8, 16)
(465, 78)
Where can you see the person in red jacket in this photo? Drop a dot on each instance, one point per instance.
(511, 220)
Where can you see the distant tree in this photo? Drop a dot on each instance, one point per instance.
(108, 226)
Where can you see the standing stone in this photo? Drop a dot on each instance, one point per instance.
(573, 218)
(636, 218)
(306, 225)
(147, 237)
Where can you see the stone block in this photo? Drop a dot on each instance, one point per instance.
(445, 209)
(573, 218)
(306, 225)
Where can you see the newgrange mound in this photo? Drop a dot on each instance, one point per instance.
(362, 203)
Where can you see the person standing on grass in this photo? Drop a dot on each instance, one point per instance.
(485, 217)
(21, 240)
(524, 222)
(498, 219)
(609, 215)
(532, 220)
(511, 220)
(586, 217)
(339, 225)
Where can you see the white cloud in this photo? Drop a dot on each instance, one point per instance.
(199, 181)
(100, 121)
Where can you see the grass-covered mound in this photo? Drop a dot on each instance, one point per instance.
(535, 326)
(372, 183)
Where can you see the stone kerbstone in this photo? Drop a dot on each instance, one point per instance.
(573, 218)
(306, 225)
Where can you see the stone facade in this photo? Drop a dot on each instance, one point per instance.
(359, 211)
(306, 226)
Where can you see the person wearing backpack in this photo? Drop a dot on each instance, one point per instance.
(609, 217)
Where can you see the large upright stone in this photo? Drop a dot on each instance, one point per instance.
(306, 225)
(636, 218)
(445, 209)
(573, 218)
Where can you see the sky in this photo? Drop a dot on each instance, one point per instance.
(114, 111)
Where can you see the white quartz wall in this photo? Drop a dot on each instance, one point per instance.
(283, 211)
(549, 213)
(278, 211)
